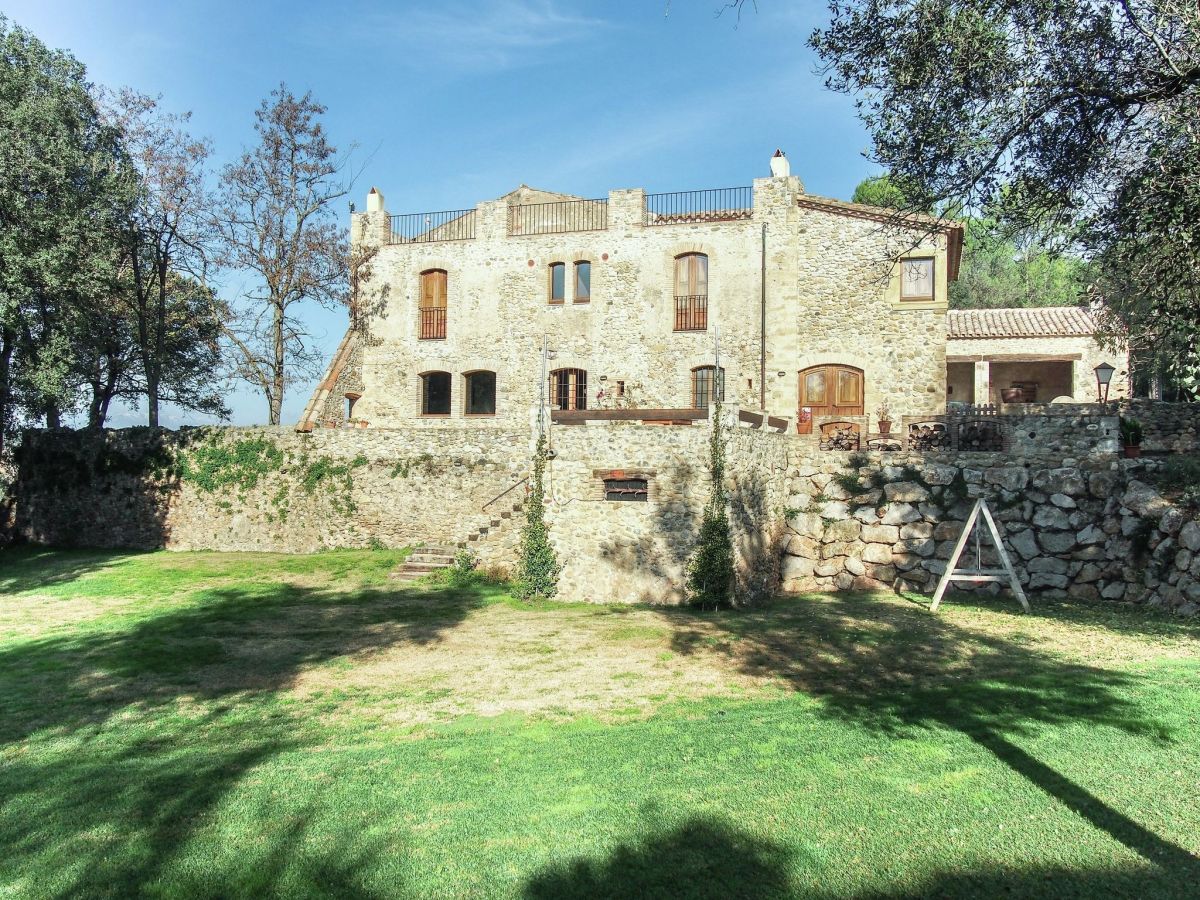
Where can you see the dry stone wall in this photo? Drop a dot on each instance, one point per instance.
(1086, 529)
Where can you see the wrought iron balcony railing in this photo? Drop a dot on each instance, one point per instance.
(419, 228)
(433, 324)
(558, 217)
(713, 205)
(691, 312)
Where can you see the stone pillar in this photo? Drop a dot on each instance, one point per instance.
(626, 208)
(374, 227)
(983, 382)
(491, 220)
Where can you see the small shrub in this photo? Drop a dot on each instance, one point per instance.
(848, 482)
(1179, 477)
(857, 460)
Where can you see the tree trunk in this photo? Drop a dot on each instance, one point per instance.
(277, 367)
(53, 416)
(8, 341)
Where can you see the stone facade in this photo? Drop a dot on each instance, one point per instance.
(823, 271)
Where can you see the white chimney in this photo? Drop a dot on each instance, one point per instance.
(375, 199)
(780, 167)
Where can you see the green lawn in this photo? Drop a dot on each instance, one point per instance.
(218, 725)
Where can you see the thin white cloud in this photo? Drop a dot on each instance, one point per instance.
(493, 35)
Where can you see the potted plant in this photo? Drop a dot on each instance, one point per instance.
(884, 414)
(1131, 437)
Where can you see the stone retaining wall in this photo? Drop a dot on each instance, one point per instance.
(1087, 529)
(1167, 426)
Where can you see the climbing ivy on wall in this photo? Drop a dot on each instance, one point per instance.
(220, 467)
(710, 571)
(537, 571)
(217, 466)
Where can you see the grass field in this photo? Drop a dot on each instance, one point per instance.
(221, 725)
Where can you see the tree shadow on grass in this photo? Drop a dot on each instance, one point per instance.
(238, 641)
(112, 759)
(26, 568)
(894, 667)
(703, 857)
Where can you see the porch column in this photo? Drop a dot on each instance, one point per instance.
(983, 382)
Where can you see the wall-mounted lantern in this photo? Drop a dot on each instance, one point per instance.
(1104, 374)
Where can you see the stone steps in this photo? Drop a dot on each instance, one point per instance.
(423, 561)
(493, 525)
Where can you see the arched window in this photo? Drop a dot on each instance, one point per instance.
(433, 305)
(568, 389)
(558, 282)
(583, 281)
(435, 394)
(480, 393)
(691, 292)
(705, 389)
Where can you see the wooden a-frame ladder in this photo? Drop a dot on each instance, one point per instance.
(979, 574)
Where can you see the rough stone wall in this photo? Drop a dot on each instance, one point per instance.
(1086, 529)
(827, 296)
(396, 488)
(1167, 426)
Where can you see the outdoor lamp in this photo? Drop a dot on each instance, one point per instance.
(1104, 374)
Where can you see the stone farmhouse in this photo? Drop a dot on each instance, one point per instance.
(636, 295)
(812, 308)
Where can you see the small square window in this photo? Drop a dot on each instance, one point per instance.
(916, 278)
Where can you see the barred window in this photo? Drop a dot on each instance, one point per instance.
(704, 391)
(635, 490)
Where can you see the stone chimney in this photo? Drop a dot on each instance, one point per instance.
(780, 167)
(373, 226)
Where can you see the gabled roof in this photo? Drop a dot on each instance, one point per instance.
(1048, 321)
(525, 194)
(952, 228)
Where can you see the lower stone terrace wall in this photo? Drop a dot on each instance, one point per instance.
(1168, 427)
(1087, 529)
(259, 488)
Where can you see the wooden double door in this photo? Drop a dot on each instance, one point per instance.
(828, 391)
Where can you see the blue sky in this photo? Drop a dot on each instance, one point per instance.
(458, 101)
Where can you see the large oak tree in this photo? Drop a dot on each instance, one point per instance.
(1074, 116)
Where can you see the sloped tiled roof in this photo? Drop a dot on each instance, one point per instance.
(1048, 321)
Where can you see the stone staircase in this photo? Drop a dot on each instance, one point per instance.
(497, 522)
(424, 560)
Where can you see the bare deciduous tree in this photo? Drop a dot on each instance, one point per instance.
(276, 222)
(162, 292)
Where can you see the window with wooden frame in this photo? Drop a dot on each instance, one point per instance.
(480, 393)
(706, 389)
(568, 389)
(432, 305)
(583, 281)
(435, 394)
(691, 292)
(917, 278)
(558, 282)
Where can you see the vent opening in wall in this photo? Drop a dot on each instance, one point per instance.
(635, 490)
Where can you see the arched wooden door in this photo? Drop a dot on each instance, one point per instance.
(828, 391)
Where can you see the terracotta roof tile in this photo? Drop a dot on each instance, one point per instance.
(1048, 321)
